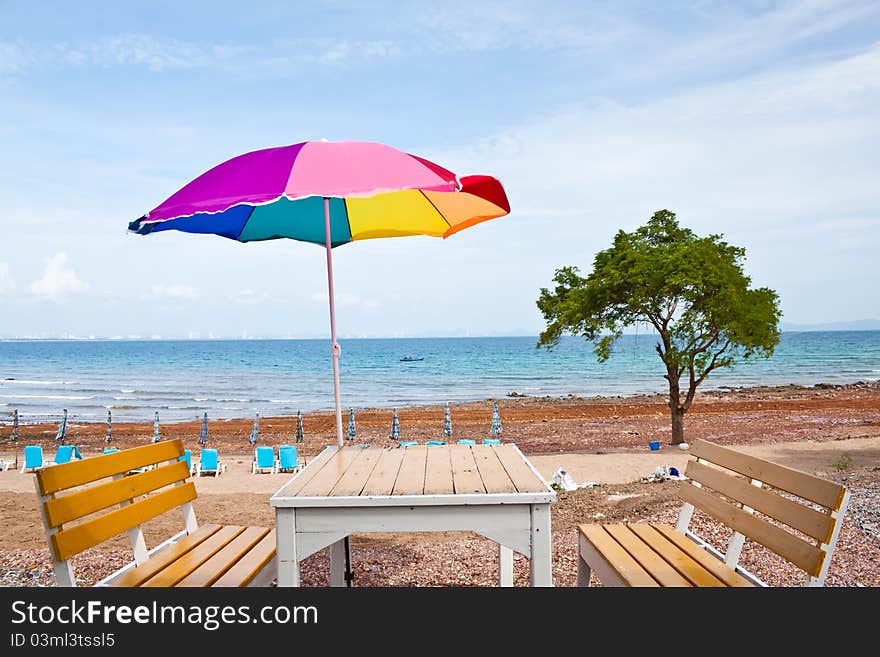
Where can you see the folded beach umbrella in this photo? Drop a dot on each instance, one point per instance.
(352, 429)
(300, 433)
(255, 432)
(203, 434)
(156, 428)
(447, 422)
(15, 425)
(62, 428)
(109, 437)
(327, 193)
(495, 428)
(395, 427)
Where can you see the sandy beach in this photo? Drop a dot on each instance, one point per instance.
(831, 431)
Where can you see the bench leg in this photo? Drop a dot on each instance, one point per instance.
(583, 575)
(505, 566)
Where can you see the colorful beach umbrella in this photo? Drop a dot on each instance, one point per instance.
(62, 428)
(327, 193)
(15, 425)
(255, 432)
(300, 433)
(156, 427)
(395, 427)
(447, 422)
(352, 429)
(109, 437)
(495, 427)
(203, 434)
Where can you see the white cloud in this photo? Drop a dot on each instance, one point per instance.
(173, 292)
(7, 284)
(58, 279)
(249, 296)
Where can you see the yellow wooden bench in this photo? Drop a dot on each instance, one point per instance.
(84, 503)
(794, 514)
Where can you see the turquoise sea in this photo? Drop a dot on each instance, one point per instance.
(238, 378)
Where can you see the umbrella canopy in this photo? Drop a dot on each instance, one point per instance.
(15, 425)
(395, 427)
(109, 437)
(203, 434)
(495, 428)
(156, 427)
(352, 429)
(328, 193)
(447, 422)
(255, 432)
(62, 428)
(300, 432)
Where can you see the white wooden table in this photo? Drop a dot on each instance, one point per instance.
(491, 490)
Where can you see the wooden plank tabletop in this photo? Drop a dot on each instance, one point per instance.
(421, 470)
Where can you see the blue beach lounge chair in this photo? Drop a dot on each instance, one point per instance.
(491, 441)
(288, 459)
(187, 456)
(111, 450)
(467, 441)
(210, 463)
(33, 457)
(407, 443)
(64, 453)
(264, 460)
(436, 442)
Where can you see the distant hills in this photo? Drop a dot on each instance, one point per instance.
(854, 325)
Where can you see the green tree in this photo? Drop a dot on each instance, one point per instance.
(691, 289)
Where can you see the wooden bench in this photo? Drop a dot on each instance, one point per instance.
(794, 514)
(87, 502)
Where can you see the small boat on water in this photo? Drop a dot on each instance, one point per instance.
(410, 359)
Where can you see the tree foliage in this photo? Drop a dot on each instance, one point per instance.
(691, 289)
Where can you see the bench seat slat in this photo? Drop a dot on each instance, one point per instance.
(681, 561)
(652, 562)
(711, 563)
(221, 561)
(627, 569)
(249, 566)
(160, 560)
(192, 559)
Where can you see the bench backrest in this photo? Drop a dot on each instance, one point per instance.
(794, 514)
(84, 503)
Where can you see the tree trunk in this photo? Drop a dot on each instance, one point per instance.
(677, 425)
(676, 410)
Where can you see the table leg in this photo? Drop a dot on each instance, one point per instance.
(288, 563)
(505, 566)
(337, 563)
(541, 561)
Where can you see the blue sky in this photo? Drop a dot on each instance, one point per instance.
(756, 120)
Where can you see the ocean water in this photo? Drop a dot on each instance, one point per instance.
(238, 378)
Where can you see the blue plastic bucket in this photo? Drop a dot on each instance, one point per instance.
(654, 445)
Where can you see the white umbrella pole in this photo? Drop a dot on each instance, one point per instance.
(336, 353)
(334, 345)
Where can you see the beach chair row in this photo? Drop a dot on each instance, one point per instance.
(208, 463)
(286, 460)
(462, 441)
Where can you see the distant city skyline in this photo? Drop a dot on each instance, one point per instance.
(759, 121)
